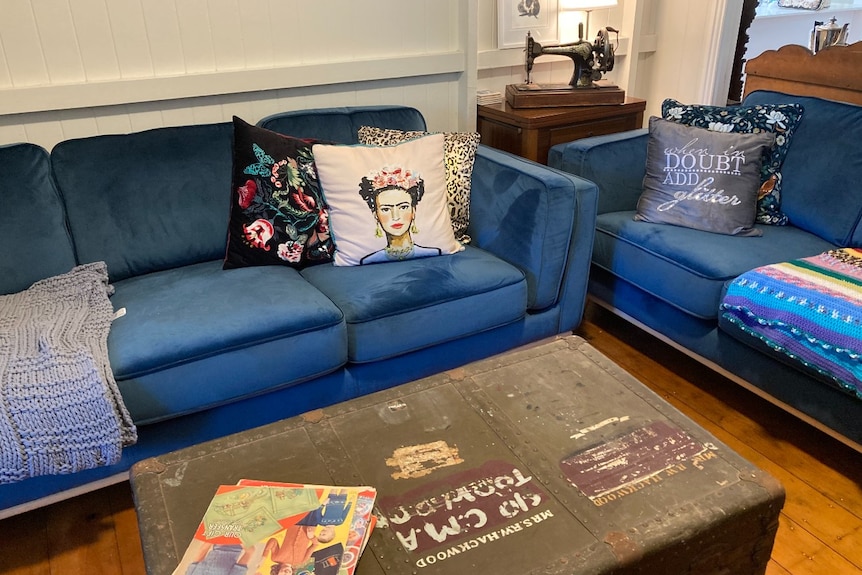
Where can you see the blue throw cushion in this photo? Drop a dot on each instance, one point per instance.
(277, 211)
(823, 168)
(33, 233)
(147, 201)
(780, 119)
(342, 124)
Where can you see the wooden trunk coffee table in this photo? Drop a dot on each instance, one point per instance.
(548, 459)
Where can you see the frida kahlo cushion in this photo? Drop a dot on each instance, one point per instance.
(460, 156)
(387, 203)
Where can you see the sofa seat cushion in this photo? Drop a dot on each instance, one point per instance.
(198, 336)
(687, 268)
(404, 306)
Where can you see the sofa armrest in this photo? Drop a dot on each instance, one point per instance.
(615, 162)
(540, 220)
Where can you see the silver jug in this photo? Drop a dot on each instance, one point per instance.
(824, 35)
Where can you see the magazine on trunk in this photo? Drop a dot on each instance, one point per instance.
(270, 528)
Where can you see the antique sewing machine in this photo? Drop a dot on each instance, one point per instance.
(586, 88)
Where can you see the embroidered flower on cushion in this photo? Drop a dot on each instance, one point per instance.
(323, 221)
(776, 117)
(258, 233)
(303, 200)
(291, 251)
(246, 194)
(675, 113)
(719, 127)
(285, 174)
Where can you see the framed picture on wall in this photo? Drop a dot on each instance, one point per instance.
(517, 17)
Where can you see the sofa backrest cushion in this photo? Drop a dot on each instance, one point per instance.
(823, 168)
(150, 200)
(342, 124)
(33, 234)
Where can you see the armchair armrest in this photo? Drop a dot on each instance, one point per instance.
(542, 221)
(615, 162)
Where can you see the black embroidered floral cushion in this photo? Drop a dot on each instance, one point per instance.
(278, 215)
(779, 119)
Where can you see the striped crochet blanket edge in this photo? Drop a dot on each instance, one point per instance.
(60, 408)
(809, 309)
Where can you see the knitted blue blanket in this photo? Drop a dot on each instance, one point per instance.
(60, 408)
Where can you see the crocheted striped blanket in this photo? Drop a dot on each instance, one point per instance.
(60, 408)
(808, 309)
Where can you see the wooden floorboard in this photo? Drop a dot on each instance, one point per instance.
(820, 530)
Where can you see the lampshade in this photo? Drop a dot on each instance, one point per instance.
(586, 4)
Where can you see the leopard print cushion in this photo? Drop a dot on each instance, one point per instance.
(460, 155)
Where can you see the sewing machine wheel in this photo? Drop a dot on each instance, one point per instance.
(604, 50)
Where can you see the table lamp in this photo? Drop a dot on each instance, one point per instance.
(586, 6)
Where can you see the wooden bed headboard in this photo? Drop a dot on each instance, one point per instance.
(834, 73)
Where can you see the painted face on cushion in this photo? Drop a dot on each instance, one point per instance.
(395, 211)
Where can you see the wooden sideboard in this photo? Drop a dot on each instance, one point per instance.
(530, 132)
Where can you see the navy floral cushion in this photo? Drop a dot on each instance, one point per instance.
(780, 119)
(278, 215)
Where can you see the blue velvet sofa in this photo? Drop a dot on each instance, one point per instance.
(203, 351)
(670, 280)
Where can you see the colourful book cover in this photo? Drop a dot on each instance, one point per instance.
(262, 528)
(348, 511)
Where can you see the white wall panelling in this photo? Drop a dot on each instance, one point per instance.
(66, 96)
(694, 54)
(74, 68)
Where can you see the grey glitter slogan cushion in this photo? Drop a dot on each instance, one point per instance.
(701, 179)
(779, 119)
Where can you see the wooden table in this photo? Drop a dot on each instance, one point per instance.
(548, 459)
(530, 132)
